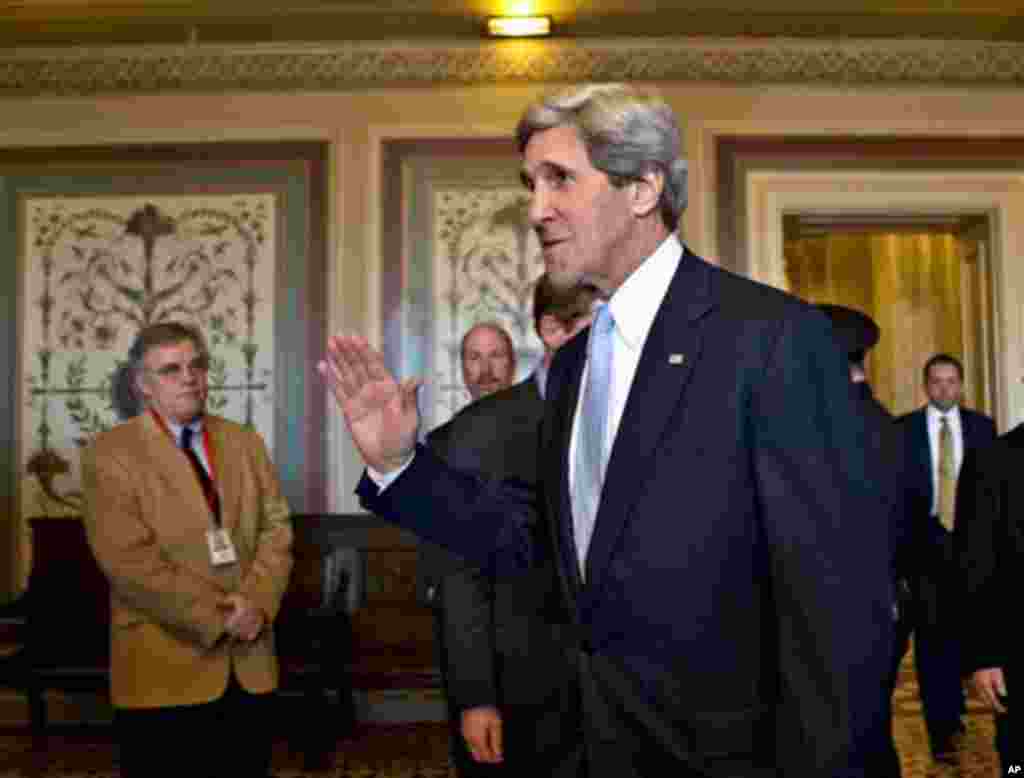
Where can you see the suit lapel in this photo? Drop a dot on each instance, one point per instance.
(556, 445)
(669, 357)
(225, 474)
(175, 467)
(924, 451)
(971, 429)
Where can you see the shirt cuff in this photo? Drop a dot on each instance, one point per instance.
(383, 480)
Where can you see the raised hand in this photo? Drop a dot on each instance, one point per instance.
(380, 412)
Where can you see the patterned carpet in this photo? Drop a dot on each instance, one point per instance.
(420, 750)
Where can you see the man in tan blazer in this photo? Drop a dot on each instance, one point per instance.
(196, 544)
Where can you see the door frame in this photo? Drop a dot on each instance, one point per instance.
(770, 195)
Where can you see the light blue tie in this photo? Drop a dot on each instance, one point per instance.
(591, 444)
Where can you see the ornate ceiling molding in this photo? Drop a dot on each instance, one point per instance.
(207, 68)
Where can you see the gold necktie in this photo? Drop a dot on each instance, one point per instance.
(947, 476)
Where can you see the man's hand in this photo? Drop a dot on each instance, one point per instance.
(381, 413)
(243, 620)
(991, 686)
(481, 727)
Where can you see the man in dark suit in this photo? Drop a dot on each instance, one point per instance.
(703, 474)
(988, 540)
(454, 590)
(857, 333)
(497, 661)
(488, 359)
(938, 436)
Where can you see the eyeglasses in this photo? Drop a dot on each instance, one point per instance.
(175, 371)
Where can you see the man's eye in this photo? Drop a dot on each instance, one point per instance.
(558, 178)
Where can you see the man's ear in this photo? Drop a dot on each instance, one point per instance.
(646, 192)
(550, 331)
(138, 384)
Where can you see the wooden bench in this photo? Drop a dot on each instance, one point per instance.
(65, 640)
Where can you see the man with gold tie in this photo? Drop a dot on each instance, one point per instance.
(938, 436)
(186, 518)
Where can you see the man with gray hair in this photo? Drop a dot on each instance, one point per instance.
(186, 519)
(702, 477)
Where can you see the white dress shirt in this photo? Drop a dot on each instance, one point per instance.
(934, 418)
(634, 306)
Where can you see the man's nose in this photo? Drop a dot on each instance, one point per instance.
(538, 207)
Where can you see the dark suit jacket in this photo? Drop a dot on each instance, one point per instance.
(933, 545)
(978, 430)
(735, 615)
(497, 647)
(988, 539)
(888, 450)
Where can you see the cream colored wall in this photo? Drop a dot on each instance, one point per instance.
(356, 123)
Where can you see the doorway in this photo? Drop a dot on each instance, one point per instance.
(925, 279)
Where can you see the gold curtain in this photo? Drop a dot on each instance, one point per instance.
(919, 286)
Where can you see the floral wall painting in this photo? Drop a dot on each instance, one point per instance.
(465, 254)
(488, 261)
(94, 271)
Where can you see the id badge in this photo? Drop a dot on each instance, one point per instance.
(222, 550)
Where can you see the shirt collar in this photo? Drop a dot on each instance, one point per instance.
(175, 429)
(935, 415)
(635, 303)
(540, 377)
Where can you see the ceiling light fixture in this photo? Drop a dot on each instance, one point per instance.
(518, 26)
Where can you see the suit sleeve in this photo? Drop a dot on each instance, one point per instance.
(433, 562)
(824, 518)
(980, 537)
(126, 549)
(467, 620)
(464, 600)
(484, 521)
(266, 579)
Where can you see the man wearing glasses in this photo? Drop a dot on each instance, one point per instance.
(186, 518)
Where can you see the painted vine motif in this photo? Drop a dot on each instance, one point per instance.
(488, 260)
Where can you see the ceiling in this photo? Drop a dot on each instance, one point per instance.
(138, 22)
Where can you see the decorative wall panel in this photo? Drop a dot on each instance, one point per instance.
(96, 270)
(467, 255)
(487, 260)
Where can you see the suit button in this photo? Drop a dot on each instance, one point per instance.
(587, 647)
